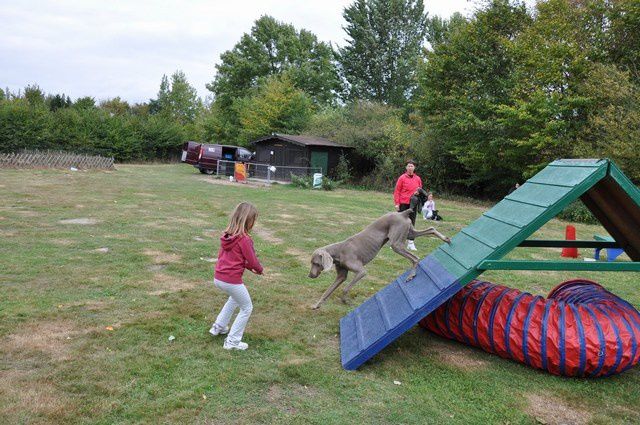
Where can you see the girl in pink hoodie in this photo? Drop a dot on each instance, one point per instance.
(236, 254)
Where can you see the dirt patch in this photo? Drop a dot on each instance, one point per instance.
(272, 277)
(81, 221)
(166, 284)
(226, 182)
(287, 216)
(22, 393)
(159, 226)
(28, 213)
(274, 393)
(211, 233)
(302, 256)
(553, 411)
(162, 257)
(455, 354)
(90, 305)
(294, 361)
(190, 221)
(62, 242)
(48, 338)
(275, 396)
(267, 235)
(101, 250)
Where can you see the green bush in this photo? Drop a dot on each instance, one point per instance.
(304, 182)
(91, 131)
(385, 175)
(343, 170)
(577, 212)
(328, 184)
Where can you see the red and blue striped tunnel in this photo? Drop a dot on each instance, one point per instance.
(581, 329)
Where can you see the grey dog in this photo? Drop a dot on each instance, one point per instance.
(353, 254)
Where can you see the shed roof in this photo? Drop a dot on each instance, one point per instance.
(302, 140)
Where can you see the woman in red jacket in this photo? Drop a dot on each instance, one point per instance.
(236, 254)
(406, 187)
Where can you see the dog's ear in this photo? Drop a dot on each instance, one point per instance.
(327, 259)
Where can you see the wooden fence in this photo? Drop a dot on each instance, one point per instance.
(36, 159)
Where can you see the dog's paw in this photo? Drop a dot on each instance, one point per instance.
(410, 277)
(447, 240)
(315, 307)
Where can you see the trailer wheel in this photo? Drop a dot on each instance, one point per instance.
(206, 171)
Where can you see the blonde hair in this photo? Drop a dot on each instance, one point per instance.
(242, 219)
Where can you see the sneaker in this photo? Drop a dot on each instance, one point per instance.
(411, 246)
(235, 346)
(218, 330)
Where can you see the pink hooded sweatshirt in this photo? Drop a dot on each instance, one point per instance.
(236, 254)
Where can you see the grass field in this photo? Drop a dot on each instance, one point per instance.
(86, 311)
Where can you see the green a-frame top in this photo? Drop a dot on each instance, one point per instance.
(604, 189)
(612, 198)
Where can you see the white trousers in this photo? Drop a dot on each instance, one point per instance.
(238, 297)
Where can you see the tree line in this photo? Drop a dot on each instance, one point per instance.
(480, 101)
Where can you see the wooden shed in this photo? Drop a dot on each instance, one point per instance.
(299, 151)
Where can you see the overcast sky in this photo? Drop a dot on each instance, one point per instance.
(106, 49)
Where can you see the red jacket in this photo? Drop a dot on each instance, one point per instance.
(405, 188)
(236, 254)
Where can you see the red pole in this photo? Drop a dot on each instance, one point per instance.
(570, 235)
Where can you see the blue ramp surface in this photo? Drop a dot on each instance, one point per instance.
(394, 310)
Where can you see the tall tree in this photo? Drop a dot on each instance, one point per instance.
(277, 106)
(464, 81)
(86, 102)
(612, 118)
(162, 100)
(383, 49)
(34, 95)
(177, 99)
(115, 106)
(624, 48)
(184, 102)
(273, 48)
(58, 101)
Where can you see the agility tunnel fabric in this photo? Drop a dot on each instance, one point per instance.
(581, 329)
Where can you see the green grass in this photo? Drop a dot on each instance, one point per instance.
(60, 364)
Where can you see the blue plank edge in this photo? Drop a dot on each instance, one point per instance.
(352, 362)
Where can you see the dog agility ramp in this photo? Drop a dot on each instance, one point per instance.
(399, 306)
(394, 310)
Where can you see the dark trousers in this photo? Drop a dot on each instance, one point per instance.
(412, 216)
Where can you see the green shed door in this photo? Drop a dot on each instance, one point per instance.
(320, 159)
